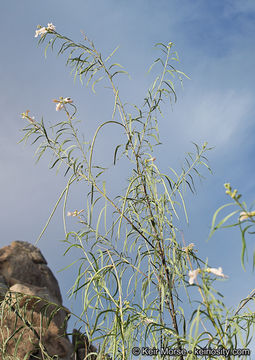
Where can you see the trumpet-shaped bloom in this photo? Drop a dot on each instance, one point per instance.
(43, 30)
(59, 106)
(51, 27)
(60, 103)
(193, 275)
(40, 31)
(217, 272)
(246, 215)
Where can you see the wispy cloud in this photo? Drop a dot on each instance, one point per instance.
(219, 117)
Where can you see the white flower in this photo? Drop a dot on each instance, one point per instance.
(193, 275)
(245, 215)
(40, 31)
(51, 27)
(217, 272)
(43, 30)
(60, 103)
(59, 106)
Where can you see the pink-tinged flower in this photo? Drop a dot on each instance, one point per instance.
(40, 31)
(59, 106)
(43, 30)
(74, 213)
(217, 272)
(189, 247)
(246, 215)
(193, 275)
(60, 103)
(51, 27)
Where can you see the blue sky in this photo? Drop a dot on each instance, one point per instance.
(215, 42)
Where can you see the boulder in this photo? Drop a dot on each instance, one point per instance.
(23, 263)
(33, 321)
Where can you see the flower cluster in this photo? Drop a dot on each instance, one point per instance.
(43, 30)
(246, 215)
(60, 103)
(232, 194)
(193, 273)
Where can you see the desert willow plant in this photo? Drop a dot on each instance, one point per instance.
(135, 272)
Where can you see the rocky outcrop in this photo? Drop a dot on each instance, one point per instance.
(22, 263)
(33, 320)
